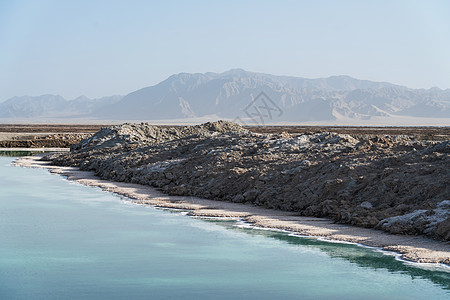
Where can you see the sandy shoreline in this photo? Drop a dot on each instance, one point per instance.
(412, 248)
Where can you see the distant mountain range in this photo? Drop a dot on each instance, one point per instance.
(53, 106)
(244, 96)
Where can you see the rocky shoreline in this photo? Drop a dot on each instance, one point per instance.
(411, 248)
(392, 183)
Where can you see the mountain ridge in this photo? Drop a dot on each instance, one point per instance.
(234, 95)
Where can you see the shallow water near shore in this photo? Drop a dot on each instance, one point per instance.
(61, 240)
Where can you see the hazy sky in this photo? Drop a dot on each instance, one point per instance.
(100, 48)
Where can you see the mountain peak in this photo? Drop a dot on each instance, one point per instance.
(236, 72)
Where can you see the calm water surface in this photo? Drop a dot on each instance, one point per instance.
(61, 240)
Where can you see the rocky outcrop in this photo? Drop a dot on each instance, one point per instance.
(389, 182)
(427, 221)
(144, 133)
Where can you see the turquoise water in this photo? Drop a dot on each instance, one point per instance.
(61, 240)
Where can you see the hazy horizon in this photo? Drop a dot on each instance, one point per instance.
(248, 71)
(107, 48)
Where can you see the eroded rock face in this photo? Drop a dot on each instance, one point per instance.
(388, 182)
(145, 133)
(423, 221)
(443, 230)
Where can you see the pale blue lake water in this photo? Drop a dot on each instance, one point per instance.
(61, 240)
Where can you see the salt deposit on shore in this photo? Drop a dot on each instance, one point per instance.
(412, 248)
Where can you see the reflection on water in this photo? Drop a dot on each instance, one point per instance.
(67, 241)
(361, 256)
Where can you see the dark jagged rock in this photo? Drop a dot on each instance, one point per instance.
(395, 184)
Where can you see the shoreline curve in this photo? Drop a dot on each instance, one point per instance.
(416, 249)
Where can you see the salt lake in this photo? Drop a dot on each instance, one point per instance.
(62, 240)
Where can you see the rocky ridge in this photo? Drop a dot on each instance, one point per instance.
(394, 183)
